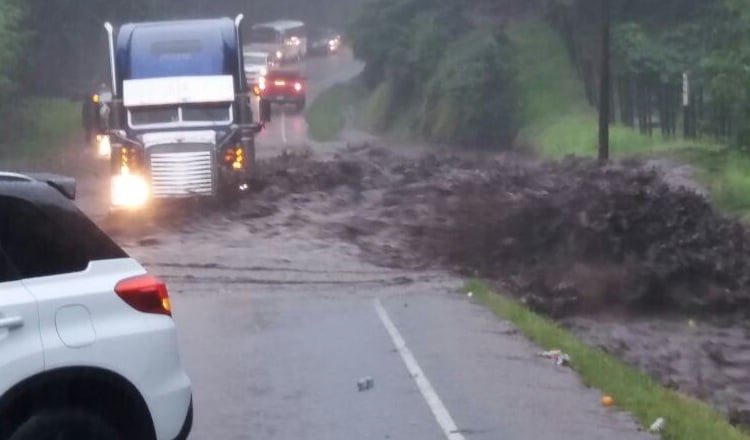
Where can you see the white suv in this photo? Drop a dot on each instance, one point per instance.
(88, 347)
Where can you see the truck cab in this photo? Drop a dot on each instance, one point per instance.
(181, 121)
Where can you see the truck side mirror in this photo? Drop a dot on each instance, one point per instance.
(265, 110)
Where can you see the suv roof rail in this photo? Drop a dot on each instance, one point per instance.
(65, 185)
(14, 177)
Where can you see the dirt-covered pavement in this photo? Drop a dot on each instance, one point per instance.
(572, 239)
(274, 295)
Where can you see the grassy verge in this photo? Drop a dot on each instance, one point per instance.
(327, 114)
(686, 418)
(43, 127)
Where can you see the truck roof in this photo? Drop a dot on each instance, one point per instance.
(177, 48)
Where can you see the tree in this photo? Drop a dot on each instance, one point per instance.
(13, 42)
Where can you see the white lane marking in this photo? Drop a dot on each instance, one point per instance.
(283, 126)
(439, 410)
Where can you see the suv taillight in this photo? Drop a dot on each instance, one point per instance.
(145, 293)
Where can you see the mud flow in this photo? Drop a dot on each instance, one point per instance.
(572, 239)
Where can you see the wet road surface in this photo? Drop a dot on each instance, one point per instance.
(277, 325)
(288, 128)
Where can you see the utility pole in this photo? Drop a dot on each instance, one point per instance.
(605, 89)
(686, 120)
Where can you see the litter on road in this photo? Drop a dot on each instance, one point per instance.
(560, 358)
(657, 426)
(365, 384)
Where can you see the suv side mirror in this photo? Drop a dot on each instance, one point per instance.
(265, 110)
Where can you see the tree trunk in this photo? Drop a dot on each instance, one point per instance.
(604, 94)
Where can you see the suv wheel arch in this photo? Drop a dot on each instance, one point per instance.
(99, 391)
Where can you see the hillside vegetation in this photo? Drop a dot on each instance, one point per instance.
(527, 77)
(432, 75)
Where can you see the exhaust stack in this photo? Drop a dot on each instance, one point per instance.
(111, 36)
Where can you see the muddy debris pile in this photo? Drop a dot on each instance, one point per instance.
(568, 237)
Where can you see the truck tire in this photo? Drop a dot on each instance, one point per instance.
(65, 424)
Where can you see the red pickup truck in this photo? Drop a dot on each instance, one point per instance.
(283, 87)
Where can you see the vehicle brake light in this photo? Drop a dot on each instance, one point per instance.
(297, 86)
(145, 293)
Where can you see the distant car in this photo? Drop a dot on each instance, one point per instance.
(323, 41)
(256, 66)
(284, 87)
(88, 348)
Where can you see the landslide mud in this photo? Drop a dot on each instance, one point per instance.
(573, 239)
(567, 237)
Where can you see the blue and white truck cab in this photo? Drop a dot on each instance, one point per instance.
(181, 118)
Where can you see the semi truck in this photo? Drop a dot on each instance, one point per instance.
(181, 122)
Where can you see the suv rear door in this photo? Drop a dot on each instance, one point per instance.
(68, 265)
(21, 354)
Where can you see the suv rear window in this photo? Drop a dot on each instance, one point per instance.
(50, 239)
(7, 271)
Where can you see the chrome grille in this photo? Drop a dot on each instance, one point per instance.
(177, 173)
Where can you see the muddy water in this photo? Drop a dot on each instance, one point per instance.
(708, 359)
(393, 209)
(551, 233)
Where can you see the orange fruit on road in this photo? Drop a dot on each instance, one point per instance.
(607, 400)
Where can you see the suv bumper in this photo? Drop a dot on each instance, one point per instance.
(187, 425)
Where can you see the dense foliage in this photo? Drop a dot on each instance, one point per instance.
(452, 84)
(471, 98)
(12, 42)
(58, 48)
(654, 44)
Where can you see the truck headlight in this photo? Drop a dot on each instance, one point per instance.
(129, 191)
(104, 147)
(279, 54)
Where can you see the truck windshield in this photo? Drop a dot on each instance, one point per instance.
(206, 112)
(187, 114)
(154, 115)
(264, 35)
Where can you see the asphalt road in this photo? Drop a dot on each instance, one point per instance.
(278, 325)
(288, 129)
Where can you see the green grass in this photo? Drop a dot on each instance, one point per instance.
(726, 173)
(549, 86)
(374, 113)
(326, 116)
(577, 134)
(559, 121)
(686, 418)
(43, 126)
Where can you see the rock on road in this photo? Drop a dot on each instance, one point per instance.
(277, 326)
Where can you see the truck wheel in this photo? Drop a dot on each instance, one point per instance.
(65, 425)
(229, 195)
